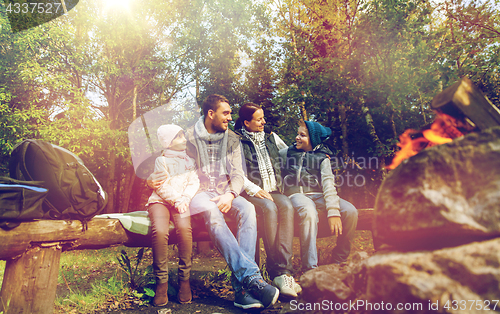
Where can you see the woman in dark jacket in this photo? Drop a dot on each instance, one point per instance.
(263, 188)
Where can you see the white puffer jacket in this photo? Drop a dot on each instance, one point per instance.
(172, 183)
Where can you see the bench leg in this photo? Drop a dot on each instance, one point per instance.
(257, 253)
(30, 281)
(204, 247)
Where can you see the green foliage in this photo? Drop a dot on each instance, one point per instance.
(367, 68)
(223, 276)
(138, 277)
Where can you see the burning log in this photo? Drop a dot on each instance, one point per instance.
(442, 130)
(461, 109)
(468, 106)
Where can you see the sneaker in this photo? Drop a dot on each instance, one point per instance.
(285, 283)
(244, 300)
(296, 287)
(267, 294)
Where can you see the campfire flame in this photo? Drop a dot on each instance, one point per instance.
(443, 130)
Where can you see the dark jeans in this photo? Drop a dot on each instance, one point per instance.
(160, 215)
(277, 222)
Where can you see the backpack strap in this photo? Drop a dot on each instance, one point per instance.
(20, 166)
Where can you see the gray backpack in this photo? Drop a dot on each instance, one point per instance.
(73, 191)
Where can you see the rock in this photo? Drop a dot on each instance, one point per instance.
(334, 282)
(444, 196)
(325, 282)
(423, 279)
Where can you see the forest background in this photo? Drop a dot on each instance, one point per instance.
(366, 68)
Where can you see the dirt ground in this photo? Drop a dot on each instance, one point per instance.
(211, 294)
(218, 300)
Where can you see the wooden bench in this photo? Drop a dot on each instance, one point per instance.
(33, 252)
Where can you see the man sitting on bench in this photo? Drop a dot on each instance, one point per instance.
(219, 161)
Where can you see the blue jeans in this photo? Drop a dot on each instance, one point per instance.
(238, 251)
(277, 218)
(309, 207)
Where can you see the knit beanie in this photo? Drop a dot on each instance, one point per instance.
(166, 133)
(317, 133)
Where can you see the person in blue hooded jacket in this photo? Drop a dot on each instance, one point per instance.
(309, 182)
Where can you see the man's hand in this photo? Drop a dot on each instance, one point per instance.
(263, 194)
(183, 207)
(155, 180)
(224, 202)
(335, 225)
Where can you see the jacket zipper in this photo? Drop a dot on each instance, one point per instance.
(301, 189)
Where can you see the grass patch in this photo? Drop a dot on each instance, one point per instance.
(102, 294)
(90, 280)
(2, 270)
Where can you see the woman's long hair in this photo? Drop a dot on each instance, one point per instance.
(246, 114)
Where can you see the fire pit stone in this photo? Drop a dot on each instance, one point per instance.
(444, 196)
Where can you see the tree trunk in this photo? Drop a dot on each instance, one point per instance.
(375, 139)
(134, 104)
(130, 178)
(393, 124)
(30, 281)
(64, 6)
(343, 127)
(111, 183)
(303, 111)
(120, 183)
(422, 107)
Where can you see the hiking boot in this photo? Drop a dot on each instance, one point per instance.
(244, 300)
(261, 290)
(161, 296)
(184, 295)
(287, 286)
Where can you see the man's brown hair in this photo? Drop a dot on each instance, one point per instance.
(212, 103)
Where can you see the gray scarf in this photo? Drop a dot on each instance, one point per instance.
(202, 137)
(263, 160)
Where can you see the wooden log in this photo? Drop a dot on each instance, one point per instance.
(30, 281)
(101, 233)
(464, 99)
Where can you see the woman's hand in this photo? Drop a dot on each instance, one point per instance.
(263, 194)
(335, 225)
